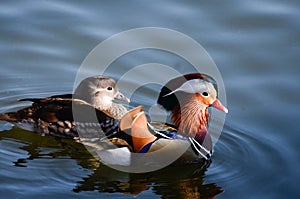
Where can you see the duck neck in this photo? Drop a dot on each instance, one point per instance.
(117, 110)
(191, 116)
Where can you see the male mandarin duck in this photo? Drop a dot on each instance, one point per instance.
(55, 115)
(187, 98)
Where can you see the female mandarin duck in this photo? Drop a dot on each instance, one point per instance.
(187, 98)
(54, 115)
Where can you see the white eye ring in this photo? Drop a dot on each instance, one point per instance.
(205, 94)
(109, 88)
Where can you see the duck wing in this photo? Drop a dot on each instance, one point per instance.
(65, 96)
(170, 132)
(63, 117)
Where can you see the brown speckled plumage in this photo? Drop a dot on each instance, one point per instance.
(55, 115)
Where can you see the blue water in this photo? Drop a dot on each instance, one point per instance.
(255, 45)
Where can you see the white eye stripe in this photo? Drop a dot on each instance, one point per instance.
(100, 89)
(192, 86)
(103, 89)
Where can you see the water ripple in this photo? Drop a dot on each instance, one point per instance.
(240, 152)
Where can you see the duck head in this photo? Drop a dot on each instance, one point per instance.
(100, 91)
(188, 98)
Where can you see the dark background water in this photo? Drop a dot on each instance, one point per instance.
(255, 45)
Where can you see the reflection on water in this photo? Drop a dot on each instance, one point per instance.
(171, 182)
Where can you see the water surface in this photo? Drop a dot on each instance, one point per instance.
(255, 45)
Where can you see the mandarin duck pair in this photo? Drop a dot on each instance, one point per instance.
(92, 113)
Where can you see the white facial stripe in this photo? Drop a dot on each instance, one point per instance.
(193, 86)
(100, 89)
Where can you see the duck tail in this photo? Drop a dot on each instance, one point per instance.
(6, 117)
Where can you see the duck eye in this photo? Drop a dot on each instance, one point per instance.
(204, 94)
(109, 88)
